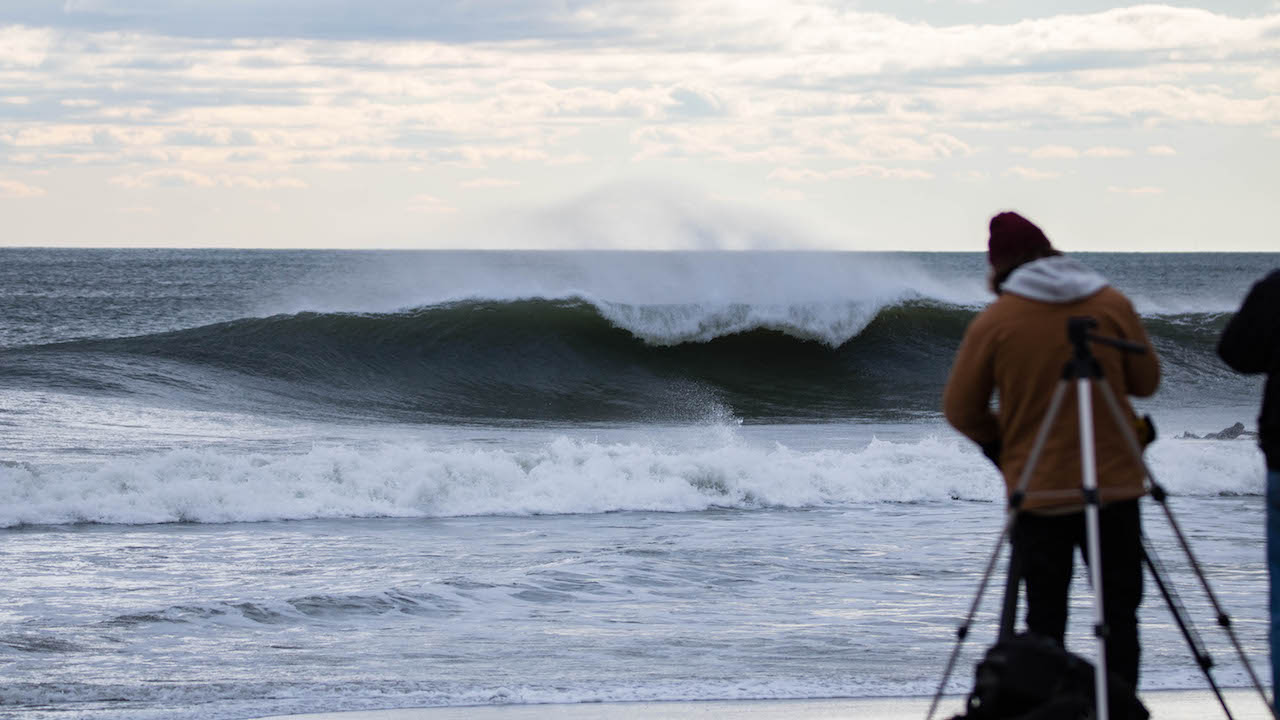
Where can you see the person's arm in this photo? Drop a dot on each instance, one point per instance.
(966, 400)
(1248, 342)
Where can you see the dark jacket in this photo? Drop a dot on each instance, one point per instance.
(1251, 344)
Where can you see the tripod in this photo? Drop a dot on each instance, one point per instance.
(1085, 373)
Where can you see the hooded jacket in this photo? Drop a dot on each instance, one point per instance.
(1017, 348)
(1251, 344)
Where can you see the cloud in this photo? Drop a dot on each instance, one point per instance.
(1055, 152)
(255, 95)
(1161, 151)
(798, 175)
(163, 178)
(1064, 152)
(851, 38)
(788, 83)
(168, 177)
(1108, 152)
(455, 20)
(50, 135)
(1268, 80)
(688, 102)
(1027, 173)
(431, 205)
(22, 47)
(489, 183)
(256, 183)
(871, 141)
(786, 195)
(15, 189)
(1141, 190)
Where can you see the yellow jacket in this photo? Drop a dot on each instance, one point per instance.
(1017, 348)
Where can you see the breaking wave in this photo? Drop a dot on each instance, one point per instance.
(571, 359)
(564, 476)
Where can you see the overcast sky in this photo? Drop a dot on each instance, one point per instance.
(882, 124)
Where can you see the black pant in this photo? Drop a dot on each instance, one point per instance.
(1044, 546)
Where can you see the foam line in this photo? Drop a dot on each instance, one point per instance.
(565, 476)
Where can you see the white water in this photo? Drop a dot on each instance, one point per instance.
(565, 475)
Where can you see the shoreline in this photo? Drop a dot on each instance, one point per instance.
(1162, 704)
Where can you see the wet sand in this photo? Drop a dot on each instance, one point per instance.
(1164, 705)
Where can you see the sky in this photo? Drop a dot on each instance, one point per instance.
(630, 124)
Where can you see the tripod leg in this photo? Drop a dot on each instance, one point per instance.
(1182, 619)
(1159, 495)
(1089, 471)
(1009, 613)
(1015, 502)
(963, 631)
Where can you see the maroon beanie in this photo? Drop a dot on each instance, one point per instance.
(1015, 240)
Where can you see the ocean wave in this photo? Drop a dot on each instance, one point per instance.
(571, 359)
(565, 476)
(533, 359)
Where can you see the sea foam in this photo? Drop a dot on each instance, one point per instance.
(563, 476)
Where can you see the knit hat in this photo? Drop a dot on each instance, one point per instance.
(1015, 240)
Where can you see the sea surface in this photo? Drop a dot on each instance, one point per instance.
(240, 483)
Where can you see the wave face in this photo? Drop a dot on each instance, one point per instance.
(533, 360)
(549, 337)
(563, 360)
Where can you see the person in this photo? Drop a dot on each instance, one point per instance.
(1251, 344)
(1017, 348)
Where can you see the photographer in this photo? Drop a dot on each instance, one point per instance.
(1251, 344)
(1016, 348)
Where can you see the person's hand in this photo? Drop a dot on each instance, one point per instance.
(1145, 428)
(992, 451)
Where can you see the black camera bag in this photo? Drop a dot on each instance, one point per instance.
(1029, 677)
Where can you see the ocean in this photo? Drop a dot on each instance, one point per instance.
(240, 483)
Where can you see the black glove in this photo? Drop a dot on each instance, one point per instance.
(992, 451)
(1145, 428)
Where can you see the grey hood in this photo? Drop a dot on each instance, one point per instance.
(1057, 279)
